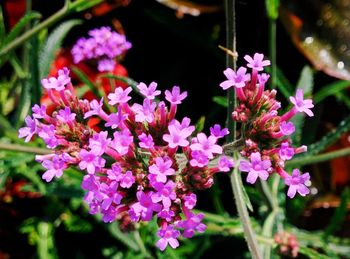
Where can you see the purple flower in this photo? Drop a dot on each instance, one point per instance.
(161, 169)
(58, 83)
(300, 104)
(127, 180)
(116, 119)
(39, 112)
(296, 183)
(54, 168)
(66, 116)
(90, 183)
(149, 92)
(115, 173)
(262, 79)
(192, 224)
(144, 112)
(165, 193)
(256, 168)
(166, 214)
(236, 79)
(122, 140)
(144, 208)
(286, 152)
(119, 96)
(287, 128)
(106, 65)
(96, 108)
(99, 142)
(190, 201)
(257, 61)
(169, 236)
(225, 163)
(207, 145)
(175, 97)
(47, 133)
(30, 130)
(199, 159)
(178, 136)
(108, 194)
(217, 132)
(146, 141)
(90, 161)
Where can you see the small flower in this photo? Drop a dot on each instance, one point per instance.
(190, 201)
(144, 208)
(58, 83)
(165, 193)
(119, 96)
(257, 61)
(166, 214)
(287, 128)
(178, 136)
(169, 236)
(256, 168)
(90, 161)
(175, 97)
(54, 168)
(199, 159)
(127, 180)
(149, 92)
(122, 140)
(30, 130)
(296, 183)
(90, 183)
(115, 173)
(39, 112)
(48, 134)
(99, 142)
(106, 65)
(263, 78)
(161, 169)
(192, 224)
(236, 79)
(66, 115)
(225, 163)
(116, 120)
(207, 145)
(216, 131)
(96, 108)
(146, 141)
(144, 112)
(302, 105)
(286, 152)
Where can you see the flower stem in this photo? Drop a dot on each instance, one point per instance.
(306, 160)
(25, 149)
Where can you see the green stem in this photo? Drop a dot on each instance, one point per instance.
(141, 245)
(318, 158)
(25, 149)
(272, 51)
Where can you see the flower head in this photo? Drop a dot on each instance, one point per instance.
(302, 105)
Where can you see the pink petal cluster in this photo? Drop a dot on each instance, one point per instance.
(142, 164)
(267, 133)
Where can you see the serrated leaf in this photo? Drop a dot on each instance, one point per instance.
(330, 89)
(221, 100)
(17, 29)
(330, 138)
(52, 44)
(306, 83)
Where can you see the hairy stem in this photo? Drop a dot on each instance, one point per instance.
(25, 149)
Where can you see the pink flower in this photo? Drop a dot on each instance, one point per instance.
(286, 152)
(122, 140)
(149, 92)
(216, 131)
(146, 141)
(190, 201)
(144, 112)
(48, 134)
(225, 164)
(262, 79)
(236, 79)
(192, 224)
(54, 168)
(256, 168)
(178, 135)
(296, 183)
(300, 104)
(287, 128)
(119, 96)
(165, 193)
(169, 236)
(30, 130)
(207, 145)
(144, 208)
(127, 179)
(161, 169)
(116, 120)
(96, 108)
(257, 61)
(39, 112)
(99, 142)
(175, 97)
(66, 116)
(58, 83)
(90, 161)
(106, 65)
(199, 159)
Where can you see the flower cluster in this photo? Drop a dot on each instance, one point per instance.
(104, 45)
(266, 133)
(142, 163)
(288, 244)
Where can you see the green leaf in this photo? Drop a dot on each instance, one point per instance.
(2, 27)
(312, 254)
(81, 5)
(221, 100)
(306, 83)
(20, 26)
(52, 44)
(200, 124)
(272, 8)
(330, 138)
(330, 89)
(339, 214)
(342, 97)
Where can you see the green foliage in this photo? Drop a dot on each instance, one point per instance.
(330, 89)
(272, 8)
(52, 44)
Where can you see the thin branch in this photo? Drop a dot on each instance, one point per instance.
(25, 149)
